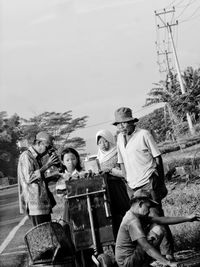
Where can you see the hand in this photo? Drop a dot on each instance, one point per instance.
(194, 217)
(52, 160)
(105, 170)
(82, 174)
(89, 173)
(66, 176)
(172, 264)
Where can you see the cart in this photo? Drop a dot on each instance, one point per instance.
(90, 207)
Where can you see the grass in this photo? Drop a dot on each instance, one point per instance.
(183, 200)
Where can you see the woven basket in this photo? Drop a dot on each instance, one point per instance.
(47, 242)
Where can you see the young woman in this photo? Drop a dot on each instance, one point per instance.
(107, 152)
(107, 156)
(71, 169)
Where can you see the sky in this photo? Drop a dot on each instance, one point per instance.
(88, 56)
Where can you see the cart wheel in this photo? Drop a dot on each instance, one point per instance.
(105, 260)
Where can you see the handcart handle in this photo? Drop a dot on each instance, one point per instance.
(86, 194)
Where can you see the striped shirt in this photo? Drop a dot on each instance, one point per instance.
(33, 196)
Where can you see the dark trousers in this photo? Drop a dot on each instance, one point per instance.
(38, 219)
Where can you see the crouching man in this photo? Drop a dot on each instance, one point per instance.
(140, 235)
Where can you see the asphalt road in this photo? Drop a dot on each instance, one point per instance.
(9, 207)
(12, 246)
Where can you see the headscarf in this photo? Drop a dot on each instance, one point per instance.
(106, 155)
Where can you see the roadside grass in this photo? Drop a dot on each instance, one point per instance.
(184, 199)
(21, 260)
(184, 157)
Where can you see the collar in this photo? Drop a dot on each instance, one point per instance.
(33, 152)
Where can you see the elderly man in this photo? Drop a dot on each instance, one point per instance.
(139, 234)
(141, 163)
(35, 197)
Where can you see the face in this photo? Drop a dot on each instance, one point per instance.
(144, 208)
(70, 162)
(44, 147)
(103, 144)
(126, 127)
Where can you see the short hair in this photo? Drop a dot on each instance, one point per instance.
(43, 136)
(135, 200)
(68, 150)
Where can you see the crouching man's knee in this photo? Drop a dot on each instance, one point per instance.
(156, 234)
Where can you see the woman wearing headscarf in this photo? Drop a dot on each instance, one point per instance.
(107, 153)
(107, 156)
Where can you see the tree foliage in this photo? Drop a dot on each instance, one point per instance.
(178, 104)
(156, 122)
(14, 131)
(9, 134)
(60, 125)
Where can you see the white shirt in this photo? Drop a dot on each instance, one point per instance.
(138, 157)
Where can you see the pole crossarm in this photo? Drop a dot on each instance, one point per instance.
(164, 11)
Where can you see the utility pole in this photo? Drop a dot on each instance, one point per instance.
(168, 26)
(166, 53)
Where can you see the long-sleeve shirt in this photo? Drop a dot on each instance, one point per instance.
(33, 196)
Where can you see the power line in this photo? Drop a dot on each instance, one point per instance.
(191, 17)
(105, 122)
(172, 4)
(181, 13)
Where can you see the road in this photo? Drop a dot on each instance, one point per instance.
(9, 207)
(13, 227)
(9, 211)
(12, 247)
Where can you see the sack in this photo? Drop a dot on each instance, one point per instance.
(159, 186)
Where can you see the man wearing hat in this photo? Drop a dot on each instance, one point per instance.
(141, 163)
(34, 195)
(140, 235)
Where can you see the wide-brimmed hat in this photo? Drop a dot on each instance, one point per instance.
(124, 115)
(144, 195)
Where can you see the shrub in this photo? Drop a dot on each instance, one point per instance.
(181, 201)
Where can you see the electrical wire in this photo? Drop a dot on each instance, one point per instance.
(184, 9)
(191, 17)
(105, 122)
(170, 4)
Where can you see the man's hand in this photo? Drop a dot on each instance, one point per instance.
(52, 160)
(172, 264)
(194, 217)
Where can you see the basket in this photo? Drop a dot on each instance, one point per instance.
(48, 243)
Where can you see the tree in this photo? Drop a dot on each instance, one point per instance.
(165, 92)
(157, 122)
(190, 101)
(9, 134)
(60, 125)
(178, 104)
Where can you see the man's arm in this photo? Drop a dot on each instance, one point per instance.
(122, 167)
(26, 169)
(159, 166)
(175, 220)
(52, 160)
(152, 252)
